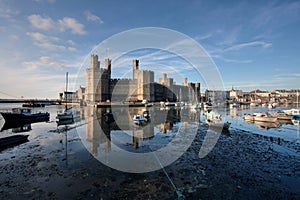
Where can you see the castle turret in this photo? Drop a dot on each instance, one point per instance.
(135, 64)
(135, 67)
(185, 82)
(108, 66)
(95, 63)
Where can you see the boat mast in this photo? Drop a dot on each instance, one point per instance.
(66, 91)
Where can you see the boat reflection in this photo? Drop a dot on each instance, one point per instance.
(17, 127)
(264, 125)
(20, 126)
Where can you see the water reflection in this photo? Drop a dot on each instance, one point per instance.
(264, 125)
(104, 125)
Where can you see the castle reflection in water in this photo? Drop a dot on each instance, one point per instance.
(100, 134)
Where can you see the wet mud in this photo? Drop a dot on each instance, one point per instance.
(242, 165)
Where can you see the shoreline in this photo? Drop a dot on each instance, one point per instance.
(241, 165)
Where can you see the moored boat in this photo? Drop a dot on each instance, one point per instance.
(296, 122)
(138, 119)
(293, 112)
(146, 115)
(281, 115)
(67, 115)
(264, 117)
(24, 115)
(248, 117)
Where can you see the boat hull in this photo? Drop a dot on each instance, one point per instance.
(25, 118)
(265, 119)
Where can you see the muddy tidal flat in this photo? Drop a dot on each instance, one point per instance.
(242, 165)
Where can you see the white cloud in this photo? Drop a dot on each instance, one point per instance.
(37, 36)
(71, 42)
(50, 43)
(67, 23)
(248, 44)
(237, 61)
(44, 23)
(93, 18)
(51, 46)
(44, 61)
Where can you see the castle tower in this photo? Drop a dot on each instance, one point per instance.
(197, 91)
(185, 82)
(92, 80)
(135, 67)
(108, 67)
(135, 64)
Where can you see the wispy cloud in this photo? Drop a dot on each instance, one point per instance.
(278, 81)
(203, 37)
(93, 18)
(43, 23)
(7, 13)
(51, 43)
(68, 23)
(47, 63)
(248, 44)
(237, 61)
(47, 23)
(43, 62)
(275, 13)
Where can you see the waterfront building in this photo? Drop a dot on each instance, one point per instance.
(235, 94)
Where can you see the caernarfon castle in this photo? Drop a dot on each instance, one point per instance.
(100, 87)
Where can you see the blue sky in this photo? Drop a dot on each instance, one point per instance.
(254, 44)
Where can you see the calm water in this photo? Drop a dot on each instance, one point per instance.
(285, 130)
(99, 137)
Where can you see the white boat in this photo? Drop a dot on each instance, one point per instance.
(281, 115)
(264, 117)
(293, 112)
(296, 122)
(248, 117)
(138, 119)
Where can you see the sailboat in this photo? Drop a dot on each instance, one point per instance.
(66, 115)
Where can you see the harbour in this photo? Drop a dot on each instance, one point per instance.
(56, 158)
